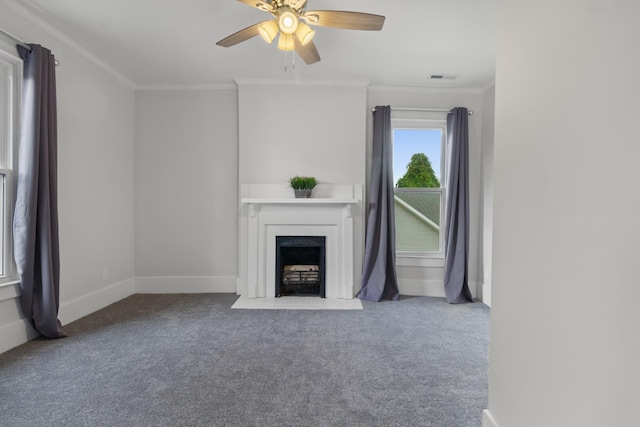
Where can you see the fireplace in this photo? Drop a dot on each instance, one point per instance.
(270, 211)
(300, 265)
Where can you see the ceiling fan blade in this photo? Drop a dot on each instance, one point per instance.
(258, 4)
(308, 53)
(344, 20)
(241, 35)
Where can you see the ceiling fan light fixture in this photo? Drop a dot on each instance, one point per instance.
(285, 42)
(291, 24)
(269, 30)
(288, 22)
(304, 33)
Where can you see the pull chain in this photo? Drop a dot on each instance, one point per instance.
(286, 59)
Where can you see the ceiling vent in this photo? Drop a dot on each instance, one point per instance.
(444, 76)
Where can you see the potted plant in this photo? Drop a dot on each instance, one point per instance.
(302, 185)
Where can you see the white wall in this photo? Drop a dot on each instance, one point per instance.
(564, 328)
(289, 129)
(95, 179)
(426, 277)
(186, 190)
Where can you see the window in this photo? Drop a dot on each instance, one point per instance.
(419, 176)
(10, 81)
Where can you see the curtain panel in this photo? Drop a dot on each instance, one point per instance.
(456, 247)
(379, 278)
(35, 222)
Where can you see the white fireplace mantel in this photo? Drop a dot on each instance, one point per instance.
(290, 201)
(278, 215)
(294, 201)
(255, 203)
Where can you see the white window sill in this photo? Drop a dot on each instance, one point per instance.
(406, 260)
(9, 290)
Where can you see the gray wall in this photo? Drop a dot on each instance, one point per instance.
(316, 129)
(186, 190)
(564, 326)
(291, 129)
(283, 129)
(426, 276)
(95, 178)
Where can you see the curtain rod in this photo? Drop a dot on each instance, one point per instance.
(20, 42)
(427, 110)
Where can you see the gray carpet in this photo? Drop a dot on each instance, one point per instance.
(189, 360)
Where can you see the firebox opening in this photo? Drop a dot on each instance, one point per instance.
(300, 265)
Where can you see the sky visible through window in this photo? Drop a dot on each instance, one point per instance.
(407, 142)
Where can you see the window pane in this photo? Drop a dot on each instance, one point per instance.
(5, 138)
(409, 146)
(418, 177)
(417, 214)
(4, 114)
(3, 207)
(8, 110)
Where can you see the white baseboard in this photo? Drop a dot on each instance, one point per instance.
(487, 419)
(423, 288)
(486, 294)
(429, 288)
(15, 334)
(87, 304)
(186, 285)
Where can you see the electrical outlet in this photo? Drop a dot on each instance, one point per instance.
(105, 274)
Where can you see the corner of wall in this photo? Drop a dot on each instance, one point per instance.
(87, 304)
(486, 293)
(70, 43)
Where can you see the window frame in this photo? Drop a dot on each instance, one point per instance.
(10, 106)
(425, 121)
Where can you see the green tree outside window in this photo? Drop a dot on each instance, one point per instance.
(419, 174)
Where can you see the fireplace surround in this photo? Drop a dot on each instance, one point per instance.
(268, 213)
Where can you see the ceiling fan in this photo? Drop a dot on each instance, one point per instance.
(290, 20)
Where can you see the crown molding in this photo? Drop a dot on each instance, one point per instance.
(58, 35)
(489, 86)
(425, 89)
(187, 88)
(280, 82)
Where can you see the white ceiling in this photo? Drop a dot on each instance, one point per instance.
(172, 42)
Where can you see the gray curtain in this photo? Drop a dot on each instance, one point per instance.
(35, 222)
(379, 278)
(456, 244)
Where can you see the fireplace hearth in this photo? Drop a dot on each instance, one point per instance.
(300, 266)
